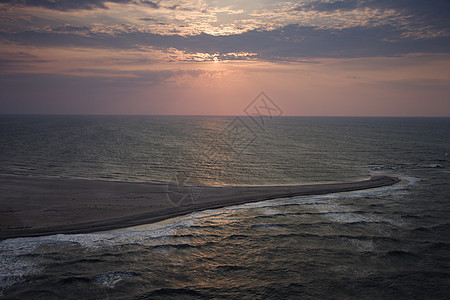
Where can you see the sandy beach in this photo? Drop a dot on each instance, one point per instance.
(33, 206)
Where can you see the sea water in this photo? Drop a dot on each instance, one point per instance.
(381, 243)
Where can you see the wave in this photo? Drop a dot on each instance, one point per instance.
(230, 268)
(172, 292)
(440, 228)
(266, 225)
(178, 233)
(176, 246)
(383, 169)
(439, 246)
(110, 279)
(434, 166)
(361, 245)
(15, 269)
(322, 199)
(400, 254)
(17, 259)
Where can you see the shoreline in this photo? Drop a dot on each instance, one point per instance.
(39, 207)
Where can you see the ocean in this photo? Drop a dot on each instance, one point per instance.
(391, 242)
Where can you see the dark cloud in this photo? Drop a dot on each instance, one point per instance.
(150, 4)
(147, 19)
(309, 42)
(19, 61)
(19, 65)
(70, 28)
(434, 12)
(328, 6)
(173, 7)
(417, 6)
(64, 5)
(67, 5)
(288, 42)
(281, 44)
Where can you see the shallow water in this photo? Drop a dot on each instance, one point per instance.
(383, 243)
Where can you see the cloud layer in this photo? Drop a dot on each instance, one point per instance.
(63, 5)
(223, 30)
(90, 46)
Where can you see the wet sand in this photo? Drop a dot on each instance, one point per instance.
(31, 206)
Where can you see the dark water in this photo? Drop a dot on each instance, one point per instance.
(391, 242)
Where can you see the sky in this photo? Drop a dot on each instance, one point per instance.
(213, 57)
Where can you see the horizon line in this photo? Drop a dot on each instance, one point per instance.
(212, 115)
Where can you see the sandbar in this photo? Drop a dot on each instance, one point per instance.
(33, 206)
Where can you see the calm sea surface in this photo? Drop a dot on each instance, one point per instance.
(391, 242)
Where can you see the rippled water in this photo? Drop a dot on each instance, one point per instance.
(383, 243)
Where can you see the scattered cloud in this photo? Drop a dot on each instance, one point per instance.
(414, 13)
(94, 45)
(328, 6)
(65, 5)
(287, 42)
(415, 18)
(150, 4)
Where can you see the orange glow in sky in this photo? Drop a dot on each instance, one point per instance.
(365, 58)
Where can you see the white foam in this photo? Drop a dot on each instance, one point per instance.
(388, 190)
(110, 279)
(361, 245)
(434, 166)
(331, 209)
(270, 211)
(143, 235)
(266, 225)
(15, 265)
(14, 269)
